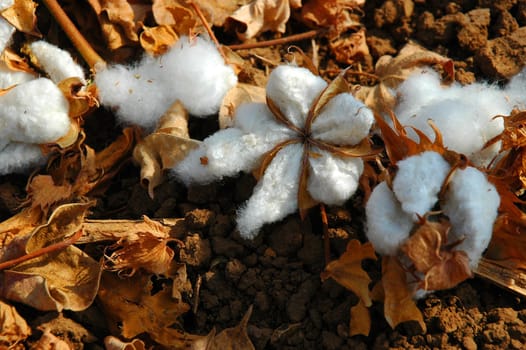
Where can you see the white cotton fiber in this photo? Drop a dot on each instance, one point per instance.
(418, 181)
(5, 4)
(195, 73)
(471, 203)
(388, 226)
(57, 63)
(34, 112)
(516, 90)
(463, 114)
(9, 77)
(18, 157)
(6, 32)
(275, 195)
(192, 71)
(333, 180)
(293, 89)
(343, 121)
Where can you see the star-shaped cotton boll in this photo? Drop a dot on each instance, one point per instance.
(192, 71)
(306, 144)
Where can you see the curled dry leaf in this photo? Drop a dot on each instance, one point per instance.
(399, 305)
(157, 40)
(65, 279)
(239, 94)
(16, 63)
(260, 16)
(114, 343)
(131, 309)
(165, 147)
(14, 327)
(350, 48)
(22, 16)
(392, 71)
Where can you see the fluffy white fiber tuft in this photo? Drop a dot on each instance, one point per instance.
(419, 180)
(18, 157)
(275, 195)
(6, 32)
(9, 77)
(471, 204)
(57, 63)
(388, 226)
(191, 71)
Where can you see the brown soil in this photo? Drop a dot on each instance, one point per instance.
(279, 271)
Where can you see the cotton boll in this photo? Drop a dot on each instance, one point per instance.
(471, 203)
(9, 77)
(516, 90)
(344, 121)
(333, 180)
(19, 157)
(57, 63)
(256, 118)
(6, 32)
(294, 89)
(388, 226)
(136, 92)
(419, 180)
(195, 73)
(275, 195)
(34, 112)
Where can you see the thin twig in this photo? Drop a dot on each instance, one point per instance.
(326, 240)
(197, 9)
(81, 44)
(39, 252)
(287, 39)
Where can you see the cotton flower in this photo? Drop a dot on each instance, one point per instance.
(470, 202)
(307, 149)
(192, 71)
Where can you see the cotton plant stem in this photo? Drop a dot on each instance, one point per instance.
(81, 44)
(285, 40)
(39, 252)
(326, 240)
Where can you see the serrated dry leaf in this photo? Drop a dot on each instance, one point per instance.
(230, 338)
(260, 16)
(22, 16)
(157, 40)
(131, 309)
(348, 272)
(165, 147)
(399, 305)
(114, 343)
(392, 71)
(239, 94)
(14, 328)
(149, 251)
(65, 279)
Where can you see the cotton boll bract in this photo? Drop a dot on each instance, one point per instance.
(471, 203)
(57, 63)
(388, 226)
(418, 181)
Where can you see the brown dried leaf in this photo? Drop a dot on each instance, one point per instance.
(48, 341)
(348, 272)
(131, 309)
(391, 72)
(399, 305)
(22, 16)
(332, 14)
(175, 14)
(16, 63)
(360, 321)
(350, 48)
(217, 12)
(239, 94)
(149, 251)
(66, 279)
(157, 40)
(114, 343)
(260, 16)
(14, 327)
(165, 147)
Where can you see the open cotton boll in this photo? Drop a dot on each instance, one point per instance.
(388, 226)
(57, 63)
(275, 195)
(333, 180)
(293, 89)
(136, 92)
(19, 157)
(195, 73)
(34, 112)
(516, 90)
(418, 181)
(471, 203)
(9, 77)
(6, 32)
(343, 121)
